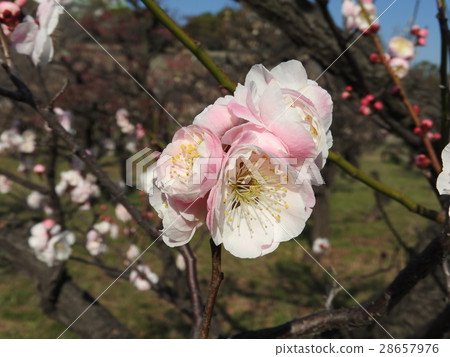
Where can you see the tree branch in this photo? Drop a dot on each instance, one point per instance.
(380, 187)
(216, 279)
(192, 45)
(418, 268)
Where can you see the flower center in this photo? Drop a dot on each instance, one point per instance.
(255, 194)
(183, 161)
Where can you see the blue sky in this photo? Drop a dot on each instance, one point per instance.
(393, 23)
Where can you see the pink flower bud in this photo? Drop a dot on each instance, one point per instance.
(370, 97)
(423, 33)
(365, 101)
(421, 41)
(49, 223)
(430, 136)
(39, 169)
(349, 88)
(415, 30)
(364, 110)
(418, 131)
(422, 161)
(426, 124)
(374, 58)
(374, 28)
(378, 105)
(345, 95)
(437, 136)
(417, 109)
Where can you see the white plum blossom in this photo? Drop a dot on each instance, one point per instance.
(28, 144)
(105, 227)
(123, 122)
(32, 37)
(443, 180)
(132, 252)
(321, 245)
(401, 47)
(49, 244)
(256, 205)
(94, 243)
(400, 66)
(5, 184)
(35, 200)
(12, 140)
(122, 213)
(143, 278)
(81, 189)
(180, 262)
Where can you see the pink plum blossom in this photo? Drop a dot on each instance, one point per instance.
(180, 219)
(256, 205)
(143, 278)
(217, 117)
(400, 66)
(401, 47)
(188, 167)
(32, 37)
(39, 169)
(356, 17)
(289, 105)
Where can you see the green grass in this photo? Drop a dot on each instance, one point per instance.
(255, 293)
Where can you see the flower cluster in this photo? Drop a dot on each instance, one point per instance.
(246, 164)
(49, 244)
(30, 36)
(356, 17)
(81, 189)
(13, 141)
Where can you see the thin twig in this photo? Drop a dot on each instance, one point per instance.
(5, 47)
(444, 30)
(192, 45)
(194, 290)
(388, 191)
(24, 183)
(216, 279)
(426, 141)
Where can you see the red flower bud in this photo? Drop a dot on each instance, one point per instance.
(378, 105)
(418, 131)
(422, 161)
